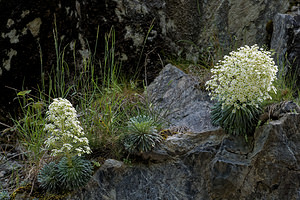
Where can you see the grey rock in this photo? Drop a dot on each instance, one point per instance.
(8, 168)
(179, 97)
(277, 110)
(189, 27)
(208, 164)
(286, 43)
(214, 166)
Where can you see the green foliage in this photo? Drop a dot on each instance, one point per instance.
(241, 122)
(104, 102)
(286, 85)
(73, 173)
(30, 128)
(68, 175)
(141, 135)
(48, 178)
(4, 195)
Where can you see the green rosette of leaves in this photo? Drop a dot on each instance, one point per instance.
(141, 134)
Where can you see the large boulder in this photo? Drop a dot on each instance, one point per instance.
(208, 164)
(178, 97)
(190, 27)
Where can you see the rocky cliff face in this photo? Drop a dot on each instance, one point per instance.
(286, 43)
(147, 30)
(206, 164)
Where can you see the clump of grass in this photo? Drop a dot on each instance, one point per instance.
(31, 127)
(286, 85)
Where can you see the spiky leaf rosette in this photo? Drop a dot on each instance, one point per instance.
(74, 172)
(141, 134)
(242, 121)
(48, 179)
(4, 195)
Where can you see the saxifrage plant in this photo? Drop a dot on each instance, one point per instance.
(67, 141)
(48, 179)
(4, 195)
(141, 134)
(66, 134)
(240, 83)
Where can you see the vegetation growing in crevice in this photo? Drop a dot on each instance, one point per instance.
(105, 101)
(114, 112)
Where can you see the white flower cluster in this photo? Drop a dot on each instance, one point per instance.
(66, 134)
(243, 78)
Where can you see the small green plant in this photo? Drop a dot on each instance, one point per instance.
(66, 140)
(4, 195)
(127, 161)
(67, 175)
(48, 177)
(30, 128)
(73, 173)
(141, 135)
(240, 83)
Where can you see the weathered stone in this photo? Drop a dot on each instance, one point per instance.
(286, 43)
(277, 110)
(209, 164)
(178, 96)
(8, 168)
(226, 24)
(26, 39)
(215, 166)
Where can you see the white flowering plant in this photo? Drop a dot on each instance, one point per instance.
(240, 83)
(66, 134)
(66, 140)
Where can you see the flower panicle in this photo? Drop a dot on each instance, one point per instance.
(244, 76)
(66, 134)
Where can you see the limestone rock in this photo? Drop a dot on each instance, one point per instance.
(277, 110)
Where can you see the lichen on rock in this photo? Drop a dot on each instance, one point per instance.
(34, 26)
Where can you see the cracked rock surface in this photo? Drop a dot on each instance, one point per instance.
(207, 164)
